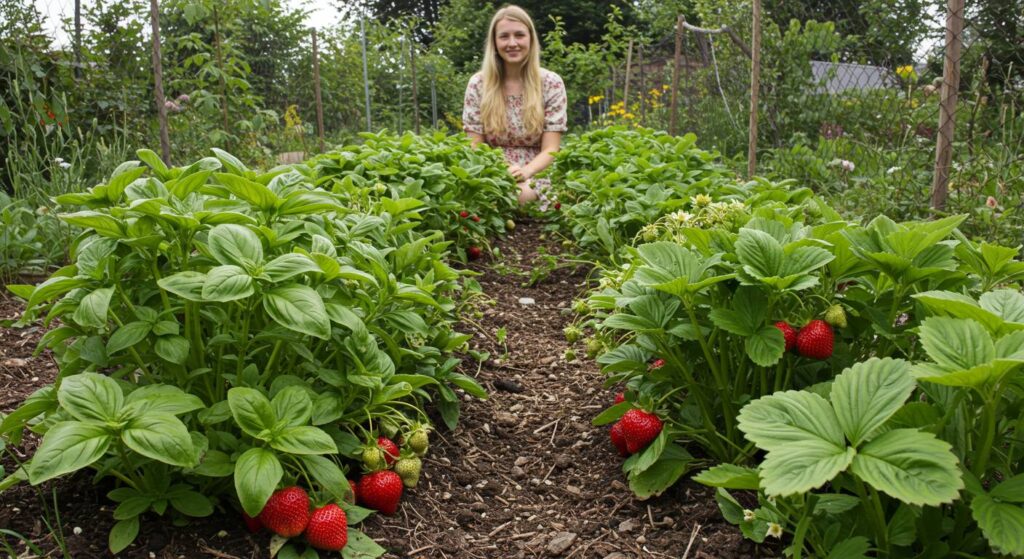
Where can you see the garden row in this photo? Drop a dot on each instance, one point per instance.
(863, 380)
(229, 339)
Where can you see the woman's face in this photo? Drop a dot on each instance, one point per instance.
(512, 39)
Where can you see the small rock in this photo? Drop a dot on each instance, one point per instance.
(548, 360)
(478, 507)
(641, 539)
(516, 408)
(627, 525)
(560, 543)
(573, 490)
(563, 461)
(527, 301)
(616, 555)
(506, 419)
(518, 473)
(521, 461)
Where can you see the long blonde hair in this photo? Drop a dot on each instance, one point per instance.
(493, 105)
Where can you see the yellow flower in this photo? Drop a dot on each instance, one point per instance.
(701, 200)
(594, 99)
(628, 115)
(906, 73)
(665, 87)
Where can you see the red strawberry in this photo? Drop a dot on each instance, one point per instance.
(476, 218)
(618, 439)
(558, 206)
(620, 397)
(390, 449)
(253, 524)
(474, 252)
(286, 512)
(788, 332)
(355, 496)
(815, 340)
(328, 528)
(463, 214)
(639, 428)
(381, 491)
(657, 364)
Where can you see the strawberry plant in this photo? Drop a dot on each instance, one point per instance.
(225, 332)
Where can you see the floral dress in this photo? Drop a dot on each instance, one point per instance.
(519, 147)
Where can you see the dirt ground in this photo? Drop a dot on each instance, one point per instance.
(525, 474)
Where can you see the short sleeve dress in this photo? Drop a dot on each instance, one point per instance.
(519, 147)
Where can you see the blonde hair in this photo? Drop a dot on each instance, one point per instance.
(493, 106)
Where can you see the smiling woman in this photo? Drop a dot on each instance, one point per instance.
(514, 104)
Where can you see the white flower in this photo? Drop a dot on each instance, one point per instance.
(64, 165)
(892, 170)
(847, 166)
(77, 530)
(681, 216)
(774, 531)
(58, 160)
(748, 515)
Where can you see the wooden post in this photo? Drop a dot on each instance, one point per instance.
(415, 94)
(947, 104)
(433, 95)
(220, 66)
(755, 87)
(158, 83)
(78, 39)
(675, 76)
(643, 85)
(316, 93)
(629, 67)
(366, 78)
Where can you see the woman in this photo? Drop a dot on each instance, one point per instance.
(514, 104)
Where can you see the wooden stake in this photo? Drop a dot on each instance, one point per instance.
(675, 75)
(629, 64)
(220, 66)
(158, 83)
(415, 94)
(316, 92)
(947, 104)
(755, 87)
(643, 85)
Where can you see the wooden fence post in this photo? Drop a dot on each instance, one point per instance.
(158, 83)
(947, 104)
(755, 87)
(643, 85)
(316, 92)
(78, 39)
(220, 66)
(366, 78)
(675, 76)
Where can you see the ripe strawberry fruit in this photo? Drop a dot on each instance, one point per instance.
(639, 428)
(328, 528)
(409, 470)
(381, 491)
(618, 439)
(286, 512)
(620, 397)
(473, 252)
(558, 206)
(789, 333)
(657, 364)
(253, 524)
(815, 340)
(463, 214)
(476, 219)
(390, 449)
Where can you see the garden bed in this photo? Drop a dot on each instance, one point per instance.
(524, 475)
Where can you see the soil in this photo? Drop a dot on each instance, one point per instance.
(525, 474)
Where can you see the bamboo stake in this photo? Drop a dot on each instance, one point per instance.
(415, 94)
(947, 104)
(625, 89)
(316, 91)
(158, 83)
(675, 76)
(755, 86)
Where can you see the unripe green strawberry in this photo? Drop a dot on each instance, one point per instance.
(639, 428)
(510, 225)
(815, 340)
(570, 354)
(408, 469)
(594, 348)
(579, 306)
(373, 459)
(836, 316)
(419, 441)
(286, 512)
(328, 528)
(572, 333)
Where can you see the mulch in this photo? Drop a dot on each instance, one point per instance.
(525, 474)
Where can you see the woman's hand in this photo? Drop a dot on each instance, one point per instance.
(518, 173)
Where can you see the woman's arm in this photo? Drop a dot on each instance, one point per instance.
(476, 138)
(550, 142)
